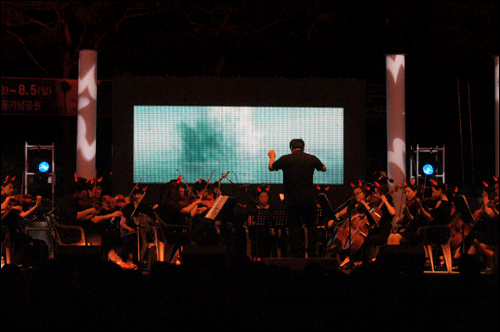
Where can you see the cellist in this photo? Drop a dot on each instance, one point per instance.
(356, 210)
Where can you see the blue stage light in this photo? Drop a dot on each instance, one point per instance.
(428, 169)
(43, 167)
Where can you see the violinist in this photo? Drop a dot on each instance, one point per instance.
(405, 228)
(382, 208)
(486, 232)
(133, 209)
(104, 222)
(176, 204)
(12, 202)
(12, 217)
(178, 207)
(106, 212)
(436, 210)
(129, 226)
(75, 209)
(439, 206)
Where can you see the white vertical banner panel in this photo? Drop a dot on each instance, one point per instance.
(86, 123)
(496, 119)
(396, 131)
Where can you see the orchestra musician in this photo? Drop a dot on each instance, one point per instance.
(13, 204)
(13, 215)
(486, 232)
(262, 238)
(436, 211)
(129, 223)
(181, 206)
(103, 222)
(75, 209)
(405, 228)
(383, 213)
(356, 210)
(176, 204)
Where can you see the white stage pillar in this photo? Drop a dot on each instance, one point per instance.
(87, 114)
(396, 131)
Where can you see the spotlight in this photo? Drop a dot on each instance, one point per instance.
(428, 169)
(40, 161)
(43, 167)
(40, 166)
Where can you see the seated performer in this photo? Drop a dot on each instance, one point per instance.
(176, 207)
(486, 232)
(129, 224)
(263, 237)
(381, 201)
(355, 211)
(405, 229)
(13, 215)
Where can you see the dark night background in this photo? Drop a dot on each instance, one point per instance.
(449, 48)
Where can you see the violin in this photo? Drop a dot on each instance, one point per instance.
(479, 213)
(207, 198)
(113, 203)
(376, 212)
(27, 199)
(86, 202)
(22, 199)
(19, 200)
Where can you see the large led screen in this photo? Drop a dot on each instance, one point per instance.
(202, 127)
(207, 141)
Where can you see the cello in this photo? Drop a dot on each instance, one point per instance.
(464, 223)
(346, 233)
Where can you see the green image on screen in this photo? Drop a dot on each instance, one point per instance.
(203, 141)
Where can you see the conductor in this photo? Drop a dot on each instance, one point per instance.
(300, 195)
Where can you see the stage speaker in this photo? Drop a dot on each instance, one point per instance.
(205, 257)
(403, 258)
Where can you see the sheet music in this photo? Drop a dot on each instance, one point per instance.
(216, 207)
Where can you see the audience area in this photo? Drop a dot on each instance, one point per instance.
(239, 294)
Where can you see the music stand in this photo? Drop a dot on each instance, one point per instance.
(262, 218)
(321, 225)
(281, 223)
(261, 226)
(326, 206)
(319, 215)
(280, 218)
(462, 206)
